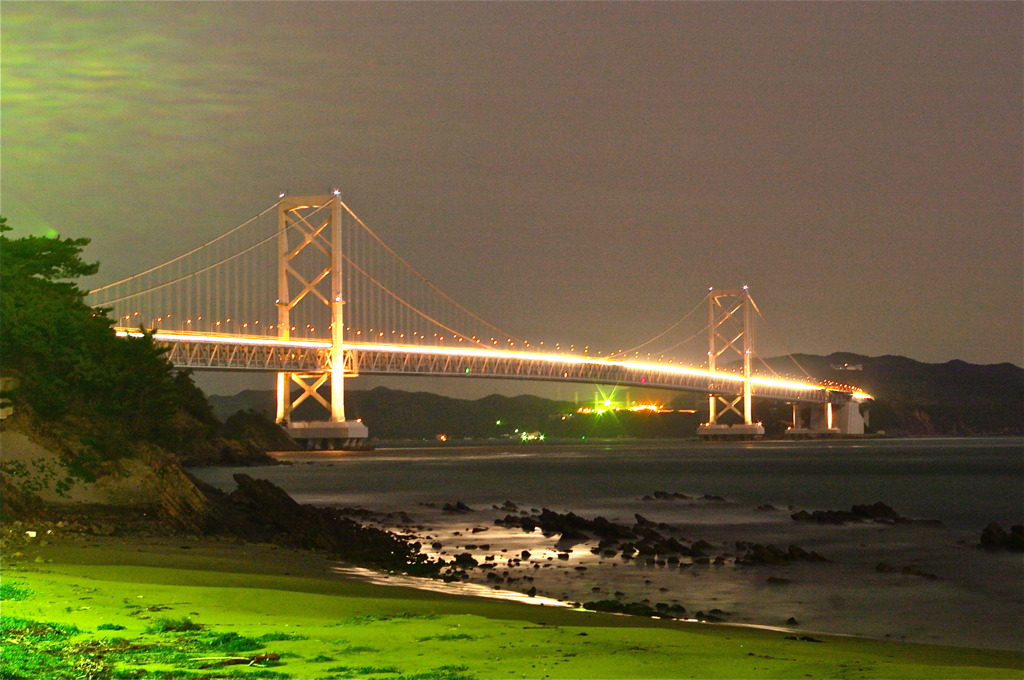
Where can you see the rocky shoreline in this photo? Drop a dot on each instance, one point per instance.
(643, 567)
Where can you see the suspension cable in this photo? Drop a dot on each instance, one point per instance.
(424, 279)
(791, 357)
(680, 344)
(183, 277)
(184, 255)
(407, 304)
(666, 331)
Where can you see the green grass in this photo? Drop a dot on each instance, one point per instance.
(181, 620)
(13, 591)
(166, 625)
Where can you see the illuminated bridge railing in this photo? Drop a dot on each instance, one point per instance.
(399, 360)
(309, 356)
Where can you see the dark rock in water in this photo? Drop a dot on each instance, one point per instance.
(260, 511)
(666, 496)
(457, 508)
(700, 546)
(993, 537)
(570, 526)
(465, 560)
(791, 621)
(886, 568)
(878, 512)
(914, 571)
(631, 608)
(773, 555)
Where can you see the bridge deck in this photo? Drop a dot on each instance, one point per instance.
(258, 353)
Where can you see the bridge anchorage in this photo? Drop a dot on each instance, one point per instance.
(218, 307)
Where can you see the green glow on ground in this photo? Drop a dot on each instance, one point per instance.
(323, 627)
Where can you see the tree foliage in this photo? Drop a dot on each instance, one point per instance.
(66, 359)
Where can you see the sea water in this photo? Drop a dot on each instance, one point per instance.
(735, 492)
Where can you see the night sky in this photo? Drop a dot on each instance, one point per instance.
(573, 172)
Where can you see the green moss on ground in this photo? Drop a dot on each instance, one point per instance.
(188, 618)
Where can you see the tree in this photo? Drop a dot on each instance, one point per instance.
(65, 355)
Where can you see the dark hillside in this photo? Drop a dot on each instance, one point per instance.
(911, 397)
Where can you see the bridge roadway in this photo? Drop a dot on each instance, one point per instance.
(261, 353)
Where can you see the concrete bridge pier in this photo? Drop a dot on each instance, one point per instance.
(841, 415)
(350, 435)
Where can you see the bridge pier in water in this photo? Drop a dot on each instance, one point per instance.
(728, 326)
(302, 214)
(842, 415)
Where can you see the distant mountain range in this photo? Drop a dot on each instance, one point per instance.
(911, 398)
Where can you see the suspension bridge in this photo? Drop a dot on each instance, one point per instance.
(305, 289)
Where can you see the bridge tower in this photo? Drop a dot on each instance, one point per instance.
(729, 332)
(308, 252)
